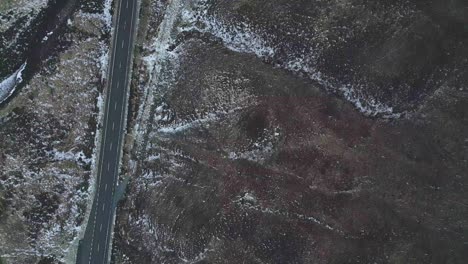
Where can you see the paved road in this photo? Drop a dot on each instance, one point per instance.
(94, 248)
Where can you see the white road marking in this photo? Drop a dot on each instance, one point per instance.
(100, 228)
(113, 126)
(105, 187)
(103, 206)
(108, 166)
(115, 105)
(127, 3)
(97, 247)
(123, 42)
(110, 147)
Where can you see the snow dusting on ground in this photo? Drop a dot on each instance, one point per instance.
(18, 9)
(47, 150)
(242, 37)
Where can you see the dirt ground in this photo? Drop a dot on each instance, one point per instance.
(298, 132)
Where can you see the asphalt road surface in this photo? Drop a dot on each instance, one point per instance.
(95, 247)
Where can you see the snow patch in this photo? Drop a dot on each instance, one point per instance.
(185, 126)
(104, 60)
(237, 37)
(78, 157)
(369, 107)
(46, 37)
(106, 16)
(7, 86)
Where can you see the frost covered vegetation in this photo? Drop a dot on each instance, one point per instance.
(18, 21)
(47, 129)
(262, 133)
